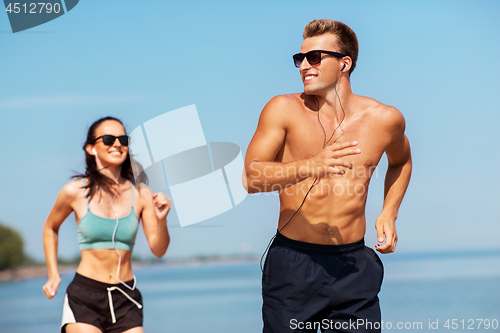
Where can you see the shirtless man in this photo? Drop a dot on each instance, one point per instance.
(319, 149)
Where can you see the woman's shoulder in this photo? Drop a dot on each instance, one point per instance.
(143, 190)
(73, 188)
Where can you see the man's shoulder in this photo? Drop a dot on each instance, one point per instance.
(282, 107)
(385, 115)
(285, 101)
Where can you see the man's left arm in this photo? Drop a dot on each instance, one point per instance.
(396, 181)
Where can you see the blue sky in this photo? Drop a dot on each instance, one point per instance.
(436, 61)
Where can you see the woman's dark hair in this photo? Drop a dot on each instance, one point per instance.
(96, 179)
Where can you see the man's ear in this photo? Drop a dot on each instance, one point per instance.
(345, 64)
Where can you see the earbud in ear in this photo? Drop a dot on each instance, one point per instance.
(93, 150)
(343, 67)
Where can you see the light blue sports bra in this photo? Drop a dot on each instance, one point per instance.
(95, 232)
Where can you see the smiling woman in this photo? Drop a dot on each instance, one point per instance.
(98, 197)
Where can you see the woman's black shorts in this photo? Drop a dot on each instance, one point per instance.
(87, 301)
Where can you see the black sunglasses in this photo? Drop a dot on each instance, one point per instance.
(109, 140)
(313, 57)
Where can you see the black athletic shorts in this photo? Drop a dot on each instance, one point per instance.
(333, 288)
(87, 301)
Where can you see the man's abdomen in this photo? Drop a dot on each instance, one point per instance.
(333, 212)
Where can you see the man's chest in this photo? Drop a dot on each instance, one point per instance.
(306, 138)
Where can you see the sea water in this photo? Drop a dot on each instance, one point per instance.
(419, 294)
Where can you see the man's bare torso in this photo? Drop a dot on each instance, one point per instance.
(334, 211)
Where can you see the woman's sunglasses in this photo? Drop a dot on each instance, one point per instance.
(313, 57)
(109, 140)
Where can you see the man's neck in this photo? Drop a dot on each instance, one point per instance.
(336, 101)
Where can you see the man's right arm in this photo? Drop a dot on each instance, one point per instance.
(263, 174)
(260, 169)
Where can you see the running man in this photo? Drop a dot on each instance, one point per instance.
(319, 149)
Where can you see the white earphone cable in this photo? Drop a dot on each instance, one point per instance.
(114, 232)
(113, 239)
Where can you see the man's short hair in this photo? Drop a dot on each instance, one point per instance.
(346, 38)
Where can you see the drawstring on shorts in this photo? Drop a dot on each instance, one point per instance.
(111, 308)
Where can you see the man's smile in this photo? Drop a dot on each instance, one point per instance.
(309, 77)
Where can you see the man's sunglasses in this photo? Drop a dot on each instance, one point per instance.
(109, 140)
(313, 57)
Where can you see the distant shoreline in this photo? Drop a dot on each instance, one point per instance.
(40, 270)
(29, 272)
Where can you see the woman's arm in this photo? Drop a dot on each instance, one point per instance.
(154, 220)
(61, 210)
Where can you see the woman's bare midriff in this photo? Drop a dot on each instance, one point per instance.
(102, 265)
